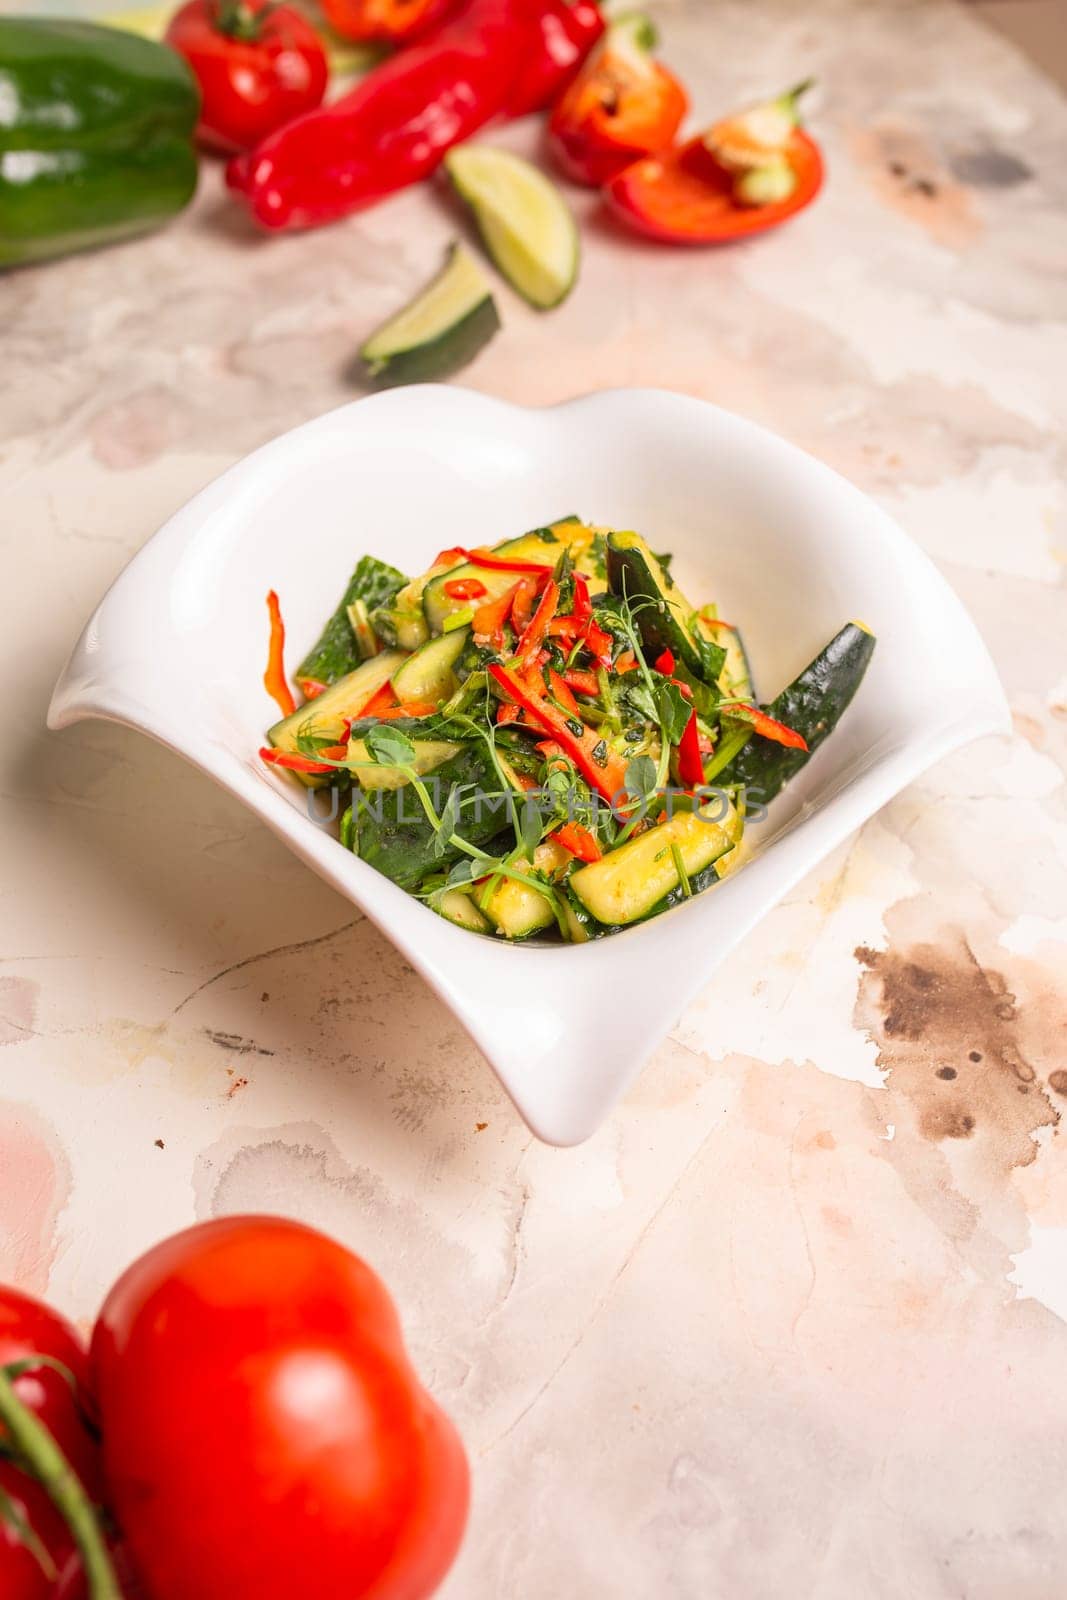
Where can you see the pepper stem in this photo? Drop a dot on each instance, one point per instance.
(237, 19)
(41, 1456)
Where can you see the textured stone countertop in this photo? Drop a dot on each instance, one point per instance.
(792, 1322)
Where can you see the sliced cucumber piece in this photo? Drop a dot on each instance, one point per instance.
(429, 755)
(543, 545)
(324, 718)
(524, 221)
(458, 907)
(627, 883)
(427, 675)
(735, 679)
(515, 909)
(441, 330)
(670, 622)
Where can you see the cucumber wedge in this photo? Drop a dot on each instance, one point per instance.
(457, 907)
(628, 883)
(440, 331)
(665, 618)
(525, 223)
(324, 718)
(427, 675)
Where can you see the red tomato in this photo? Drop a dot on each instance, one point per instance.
(258, 66)
(28, 1328)
(386, 21)
(264, 1433)
(683, 196)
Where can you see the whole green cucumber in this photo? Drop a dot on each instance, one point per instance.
(96, 136)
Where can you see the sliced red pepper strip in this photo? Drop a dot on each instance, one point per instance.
(384, 700)
(768, 727)
(627, 662)
(563, 628)
(665, 663)
(311, 688)
(450, 558)
(291, 761)
(584, 682)
(683, 196)
(690, 766)
(506, 712)
(579, 841)
(522, 607)
(465, 589)
(599, 644)
(683, 689)
(486, 558)
(407, 708)
(534, 632)
(583, 606)
(718, 622)
(607, 777)
(491, 617)
(562, 693)
(274, 680)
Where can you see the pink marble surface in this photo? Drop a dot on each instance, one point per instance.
(793, 1321)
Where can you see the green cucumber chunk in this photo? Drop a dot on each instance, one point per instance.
(631, 882)
(543, 546)
(813, 704)
(323, 719)
(665, 619)
(440, 331)
(337, 651)
(427, 675)
(525, 223)
(455, 905)
(394, 834)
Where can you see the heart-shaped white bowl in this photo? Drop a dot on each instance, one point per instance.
(786, 548)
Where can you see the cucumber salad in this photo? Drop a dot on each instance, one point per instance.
(545, 737)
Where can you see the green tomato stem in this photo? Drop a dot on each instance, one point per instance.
(42, 1458)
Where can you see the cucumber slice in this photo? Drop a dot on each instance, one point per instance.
(544, 545)
(324, 718)
(628, 882)
(671, 623)
(456, 906)
(427, 675)
(429, 755)
(441, 330)
(524, 221)
(515, 909)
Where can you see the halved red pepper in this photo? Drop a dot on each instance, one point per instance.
(579, 841)
(568, 31)
(690, 765)
(601, 768)
(274, 679)
(767, 727)
(621, 106)
(387, 21)
(744, 175)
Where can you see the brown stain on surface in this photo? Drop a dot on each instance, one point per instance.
(909, 176)
(947, 1031)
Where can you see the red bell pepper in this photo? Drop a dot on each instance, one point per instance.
(522, 606)
(744, 175)
(386, 21)
(602, 769)
(690, 766)
(274, 680)
(568, 31)
(490, 618)
(665, 663)
(621, 106)
(311, 688)
(530, 643)
(561, 693)
(599, 643)
(393, 128)
(584, 682)
(767, 727)
(465, 589)
(583, 606)
(579, 841)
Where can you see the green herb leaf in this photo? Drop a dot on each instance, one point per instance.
(388, 747)
(447, 823)
(531, 827)
(641, 777)
(673, 710)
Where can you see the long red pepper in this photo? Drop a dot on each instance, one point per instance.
(486, 558)
(274, 680)
(690, 766)
(534, 632)
(394, 127)
(606, 775)
(568, 30)
(769, 727)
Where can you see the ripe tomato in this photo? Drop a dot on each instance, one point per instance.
(28, 1328)
(258, 66)
(264, 1434)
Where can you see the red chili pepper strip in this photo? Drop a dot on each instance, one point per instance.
(530, 643)
(563, 628)
(450, 558)
(599, 644)
(486, 558)
(561, 692)
(665, 663)
(627, 662)
(490, 618)
(522, 608)
(384, 700)
(683, 196)
(690, 766)
(274, 680)
(607, 777)
(568, 31)
(583, 606)
(408, 708)
(311, 688)
(465, 589)
(579, 841)
(584, 682)
(292, 762)
(717, 622)
(767, 726)
(394, 128)
(506, 712)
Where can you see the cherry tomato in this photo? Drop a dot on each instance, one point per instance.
(258, 66)
(28, 1328)
(265, 1436)
(386, 21)
(684, 196)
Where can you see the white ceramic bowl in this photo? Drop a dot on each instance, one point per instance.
(783, 545)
